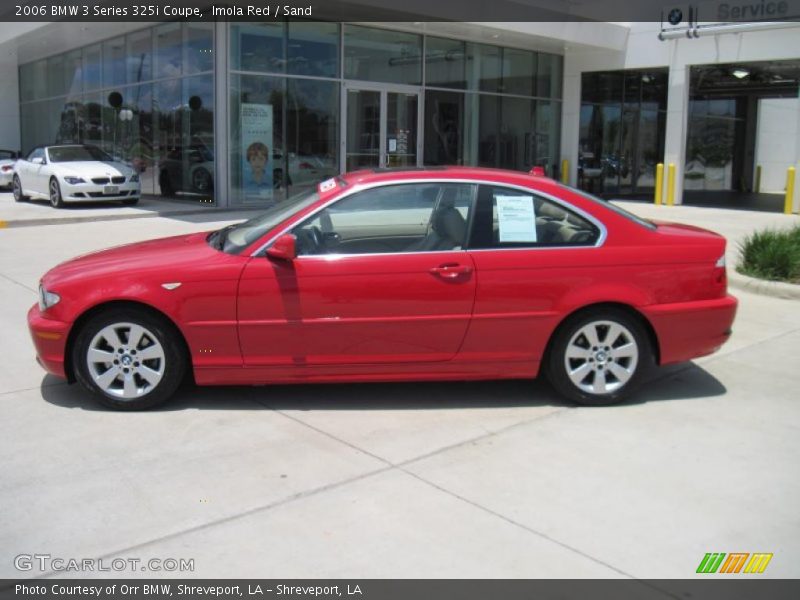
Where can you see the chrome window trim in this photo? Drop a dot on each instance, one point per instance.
(356, 188)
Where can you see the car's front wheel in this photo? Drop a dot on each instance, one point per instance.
(598, 357)
(16, 185)
(129, 359)
(56, 201)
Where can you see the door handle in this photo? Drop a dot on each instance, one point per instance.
(451, 270)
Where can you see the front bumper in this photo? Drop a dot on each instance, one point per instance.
(93, 192)
(688, 330)
(50, 340)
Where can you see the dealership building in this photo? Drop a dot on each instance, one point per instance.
(242, 114)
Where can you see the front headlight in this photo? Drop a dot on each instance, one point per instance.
(73, 180)
(47, 299)
(134, 178)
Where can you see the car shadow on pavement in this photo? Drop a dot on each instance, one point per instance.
(685, 381)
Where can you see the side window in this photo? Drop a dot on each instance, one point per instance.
(412, 217)
(512, 218)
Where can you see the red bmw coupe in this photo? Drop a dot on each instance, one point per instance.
(421, 274)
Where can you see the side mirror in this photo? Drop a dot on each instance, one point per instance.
(284, 248)
(38, 160)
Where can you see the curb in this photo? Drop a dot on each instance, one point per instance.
(775, 289)
(97, 218)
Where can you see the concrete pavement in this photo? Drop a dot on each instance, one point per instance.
(491, 479)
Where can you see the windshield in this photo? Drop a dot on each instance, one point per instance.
(236, 238)
(76, 153)
(613, 207)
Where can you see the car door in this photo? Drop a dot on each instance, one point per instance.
(37, 173)
(531, 252)
(25, 170)
(381, 277)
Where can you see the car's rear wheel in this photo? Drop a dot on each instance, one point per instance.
(599, 357)
(56, 201)
(16, 186)
(129, 359)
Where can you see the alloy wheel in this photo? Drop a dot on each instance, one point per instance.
(126, 360)
(601, 357)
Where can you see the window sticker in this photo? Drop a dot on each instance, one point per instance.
(327, 185)
(516, 218)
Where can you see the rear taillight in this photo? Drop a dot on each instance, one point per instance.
(6, 168)
(720, 275)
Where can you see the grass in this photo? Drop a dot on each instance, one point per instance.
(772, 255)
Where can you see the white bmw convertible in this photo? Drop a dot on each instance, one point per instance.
(74, 173)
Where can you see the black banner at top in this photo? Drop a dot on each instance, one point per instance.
(404, 11)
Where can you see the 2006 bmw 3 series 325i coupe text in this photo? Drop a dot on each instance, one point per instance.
(433, 274)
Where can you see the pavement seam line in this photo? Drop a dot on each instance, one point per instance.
(7, 278)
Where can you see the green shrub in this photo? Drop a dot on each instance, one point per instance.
(773, 255)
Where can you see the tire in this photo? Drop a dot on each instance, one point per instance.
(603, 368)
(56, 201)
(132, 383)
(16, 186)
(202, 182)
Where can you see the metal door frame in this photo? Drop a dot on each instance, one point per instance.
(384, 89)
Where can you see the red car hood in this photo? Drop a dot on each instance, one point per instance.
(175, 254)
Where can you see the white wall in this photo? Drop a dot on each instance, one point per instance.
(775, 150)
(644, 50)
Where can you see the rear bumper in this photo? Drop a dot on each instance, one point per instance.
(689, 330)
(50, 340)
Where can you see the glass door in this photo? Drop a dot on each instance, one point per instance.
(382, 127)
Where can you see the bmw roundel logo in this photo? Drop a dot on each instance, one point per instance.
(675, 16)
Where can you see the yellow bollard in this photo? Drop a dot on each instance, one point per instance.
(757, 182)
(789, 200)
(671, 184)
(659, 183)
(565, 171)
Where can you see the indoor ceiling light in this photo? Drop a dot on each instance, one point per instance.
(740, 73)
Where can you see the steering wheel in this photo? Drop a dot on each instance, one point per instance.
(310, 239)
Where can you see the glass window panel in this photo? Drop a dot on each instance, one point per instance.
(258, 47)
(114, 70)
(546, 144)
(26, 82)
(92, 67)
(444, 124)
(312, 116)
(602, 87)
(93, 120)
(519, 68)
(168, 50)
(55, 75)
(73, 73)
(257, 154)
(313, 48)
(139, 57)
(135, 145)
(199, 48)
(445, 63)
(484, 67)
(382, 55)
(548, 75)
(489, 131)
(517, 140)
(363, 129)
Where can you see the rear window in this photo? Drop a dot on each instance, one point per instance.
(613, 207)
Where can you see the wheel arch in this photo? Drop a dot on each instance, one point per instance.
(95, 310)
(626, 308)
